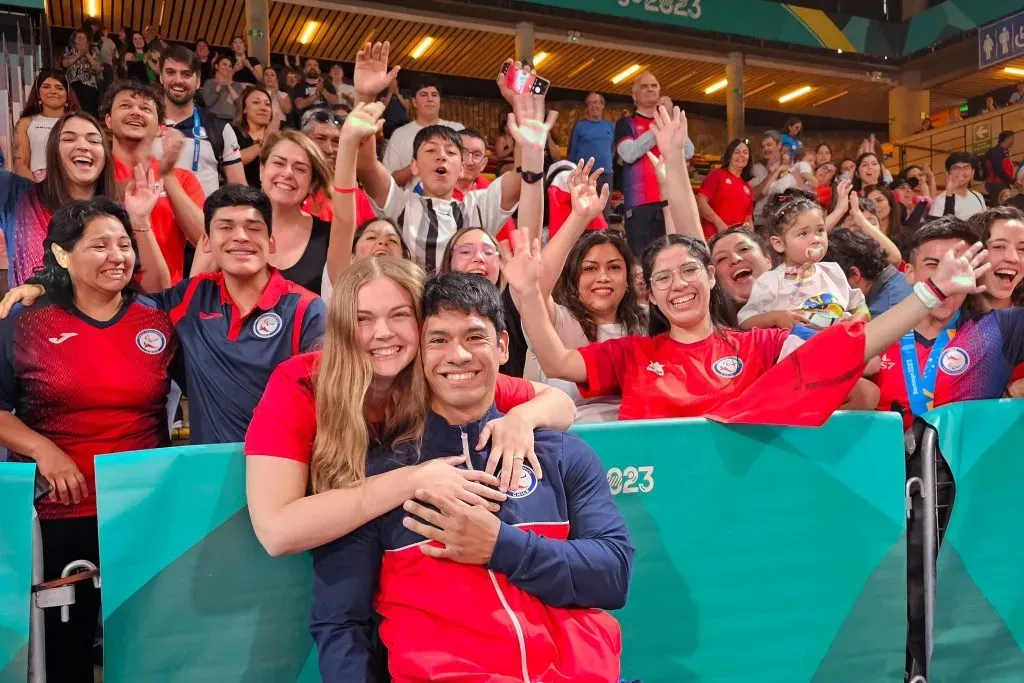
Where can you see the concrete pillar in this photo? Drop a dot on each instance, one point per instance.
(524, 42)
(734, 113)
(257, 19)
(906, 108)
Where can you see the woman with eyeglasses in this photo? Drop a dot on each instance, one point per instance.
(253, 124)
(696, 363)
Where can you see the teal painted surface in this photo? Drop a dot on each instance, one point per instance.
(979, 622)
(17, 481)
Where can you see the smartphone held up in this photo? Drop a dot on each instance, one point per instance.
(523, 82)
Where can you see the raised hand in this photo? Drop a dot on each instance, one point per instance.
(508, 93)
(142, 193)
(364, 122)
(960, 269)
(670, 130)
(370, 75)
(173, 140)
(586, 201)
(522, 266)
(527, 124)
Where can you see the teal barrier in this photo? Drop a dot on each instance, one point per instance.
(17, 483)
(764, 555)
(979, 618)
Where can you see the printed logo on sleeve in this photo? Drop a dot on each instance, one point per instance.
(954, 361)
(526, 485)
(151, 341)
(267, 325)
(728, 367)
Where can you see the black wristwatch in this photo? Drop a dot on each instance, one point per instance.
(530, 177)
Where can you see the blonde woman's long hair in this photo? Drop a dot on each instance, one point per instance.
(342, 380)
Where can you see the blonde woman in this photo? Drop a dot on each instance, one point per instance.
(323, 411)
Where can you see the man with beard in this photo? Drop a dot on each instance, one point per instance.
(132, 112)
(312, 92)
(211, 145)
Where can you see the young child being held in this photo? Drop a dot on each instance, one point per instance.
(802, 290)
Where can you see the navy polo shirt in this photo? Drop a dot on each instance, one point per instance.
(229, 358)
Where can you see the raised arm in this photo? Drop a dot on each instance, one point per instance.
(892, 252)
(140, 196)
(530, 130)
(522, 270)
(361, 127)
(671, 133)
(185, 201)
(370, 76)
(22, 149)
(835, 217)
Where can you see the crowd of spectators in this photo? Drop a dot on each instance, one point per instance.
(397, 338)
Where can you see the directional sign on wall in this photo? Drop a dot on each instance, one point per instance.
(1001, 40)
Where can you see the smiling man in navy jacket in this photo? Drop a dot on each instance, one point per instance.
(463, 594)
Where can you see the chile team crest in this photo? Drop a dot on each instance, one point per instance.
(954, 361)
(151, 341)
(526, 485)
(728, 367)
(267, 325)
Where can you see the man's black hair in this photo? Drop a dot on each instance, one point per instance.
(473, 133)
(426, 81)
(145, 90)
(851, 248)
(944, 228)
(436, 132)
(958, 158)
(467, 293)
(237, 195)
(1005, 135)
(183, 55)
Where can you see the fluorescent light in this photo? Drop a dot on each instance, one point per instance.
(92, 8)
(793, 94)
(1013, 71)
(308, 32)
(830, 99)
(758, 89)
(581, 68)
(716, 86)
(625, 73)
(540, 57)
(421, 47)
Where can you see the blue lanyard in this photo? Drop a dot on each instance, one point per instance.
(921, 387)
(196, 132)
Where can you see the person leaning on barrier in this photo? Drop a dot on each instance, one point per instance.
(556, 554)
(65, 411)
(234, 325)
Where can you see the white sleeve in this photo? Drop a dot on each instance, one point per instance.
(398, 153)
(326, 288)
(483, 208)
(839, 284)
(232, 153)
(763, 296)
(395, 204)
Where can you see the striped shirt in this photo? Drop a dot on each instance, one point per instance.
(428, 223)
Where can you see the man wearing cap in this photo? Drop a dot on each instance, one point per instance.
(958, 199)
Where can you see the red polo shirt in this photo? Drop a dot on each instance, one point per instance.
(163, 222)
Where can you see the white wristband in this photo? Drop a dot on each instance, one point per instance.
(927, 296)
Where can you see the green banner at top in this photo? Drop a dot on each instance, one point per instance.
(780, 22)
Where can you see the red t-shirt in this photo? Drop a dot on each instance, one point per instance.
(163, 222)
(892, 384)
(284, 422)
(319, 207)
(659, 377)
(730, 197)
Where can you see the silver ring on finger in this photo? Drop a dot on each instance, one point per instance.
(519, 458)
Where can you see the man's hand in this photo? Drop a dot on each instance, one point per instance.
(141, 195)
(468, 532)
(370, 75)
(527, 125)
(173, 140)
(364, 122)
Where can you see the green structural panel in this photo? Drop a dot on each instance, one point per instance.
(979, 619)
(17, 482)
(764, 555)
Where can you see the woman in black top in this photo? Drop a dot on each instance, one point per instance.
(206, 59)
(247, 69)
(253, 123)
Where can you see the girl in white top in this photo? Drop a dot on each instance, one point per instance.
(593, 297)
(803, 289)
(49, 100)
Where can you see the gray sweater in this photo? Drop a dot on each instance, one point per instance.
(217, 102)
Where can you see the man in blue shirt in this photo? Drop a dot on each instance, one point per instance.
(868, 269)
(594, 136)
(236, 325)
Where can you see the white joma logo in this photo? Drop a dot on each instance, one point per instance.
(64, 336)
